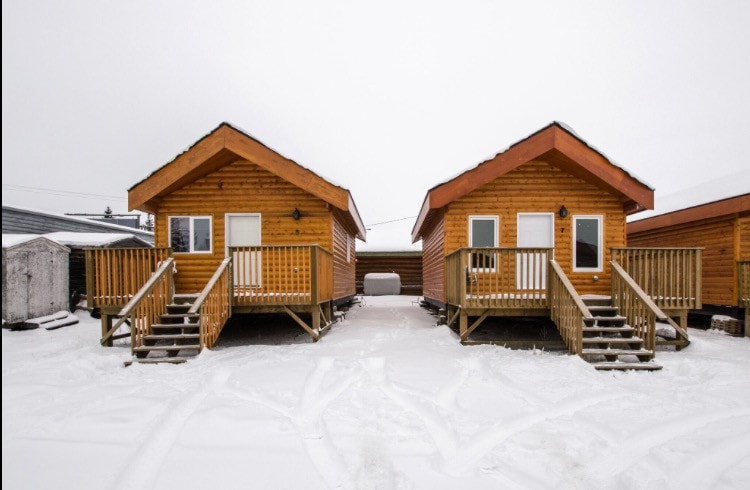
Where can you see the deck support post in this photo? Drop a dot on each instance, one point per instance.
(452, 317)
(463, 323)
(314, 334)
(465, 335)
(106, 327)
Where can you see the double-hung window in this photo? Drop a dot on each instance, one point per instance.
(190, 234)
(587, 243)
(483, 233)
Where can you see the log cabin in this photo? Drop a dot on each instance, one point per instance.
(407, 264)
(722, 228)
(539, 230)
(238, 229)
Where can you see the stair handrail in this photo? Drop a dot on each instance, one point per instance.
(567, 309)
(214, 304)
(163, 273)
(636, 307)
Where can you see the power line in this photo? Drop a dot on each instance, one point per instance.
(391, 221)
(60, 192)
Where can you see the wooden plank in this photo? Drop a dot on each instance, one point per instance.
(474, 325)
(315, 336)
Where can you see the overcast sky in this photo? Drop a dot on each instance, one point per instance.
(384, 98)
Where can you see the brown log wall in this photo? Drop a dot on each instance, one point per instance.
(537, 187)
(719, 237)
(433, 261)
(241, 187)
(408, 267)
(343, 269)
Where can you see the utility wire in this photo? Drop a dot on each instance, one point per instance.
(60, 192)
(391, 221)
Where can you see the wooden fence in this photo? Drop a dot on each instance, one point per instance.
(567, 309)
(635, 305)
(670, 276)
(114, 275)
(281, 275)
(214, 304)
(498, 277)
(743, 290)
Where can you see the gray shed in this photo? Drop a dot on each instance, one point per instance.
(35, 277)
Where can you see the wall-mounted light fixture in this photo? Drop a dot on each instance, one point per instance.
(563, 211)
(296, 214)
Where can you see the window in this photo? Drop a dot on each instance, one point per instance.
(348, 249)
(190, 234)
(587, 243)
(483, 233)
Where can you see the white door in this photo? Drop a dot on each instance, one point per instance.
(243, 230)
(535, 230)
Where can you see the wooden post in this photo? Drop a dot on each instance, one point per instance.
(463, 322)
(462, 282)
(106, 326)
(314, 276)
(698, 279)
(90, 274)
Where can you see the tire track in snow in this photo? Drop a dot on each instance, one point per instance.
(307, 417)
(142, 470)
(713, 461)
(639, 444)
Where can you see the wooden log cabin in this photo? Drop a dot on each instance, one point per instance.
(238, 229)
(539, 230)
(722, 228)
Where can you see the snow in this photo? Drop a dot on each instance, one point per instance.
(385, 400)
(11, 240)
(89, 239)
(718, 189)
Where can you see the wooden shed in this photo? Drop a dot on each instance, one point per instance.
(249, 231)
(533, 231)
(35, 278)
(407, 264)
(722, 228)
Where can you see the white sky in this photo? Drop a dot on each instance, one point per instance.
(386, 98)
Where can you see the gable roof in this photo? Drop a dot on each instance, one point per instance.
(221, 147)
(11, 241)
(723, 207)
(560, 146)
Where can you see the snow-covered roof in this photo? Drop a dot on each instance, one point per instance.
(11, 240)
(72, 238)
(99, 224)
(720, 188)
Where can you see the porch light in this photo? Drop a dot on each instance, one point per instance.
(296, 214)
(563, 211)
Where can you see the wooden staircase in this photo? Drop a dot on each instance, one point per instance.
(609, 343)
(175, 338)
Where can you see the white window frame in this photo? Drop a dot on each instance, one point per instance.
(494, 218)
(600, 219)
(192, 230)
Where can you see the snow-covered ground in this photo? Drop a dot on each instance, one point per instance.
(386, 400)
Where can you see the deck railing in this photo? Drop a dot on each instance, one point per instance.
(497, 277)
(214, 304)
(281, 275)
(114, 275)
(635, 305)
(567, 309)
(146, 306)
(743, 276)
(670, 276)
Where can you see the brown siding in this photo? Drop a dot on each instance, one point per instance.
(343, 270)
(433, 261)
(744, 237)
(241, 187)
(407, 266)
(717, 236)
(536, 187)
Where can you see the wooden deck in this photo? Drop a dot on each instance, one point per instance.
(135, 287)
(648, 286)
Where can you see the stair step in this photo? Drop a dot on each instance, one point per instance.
(183, 298)
(158, 360)
(161, 326)
(601, 329)
(153, 348)
(617, 352)
(602, 310)
(624, 366)
(180, 315)
(615, 318)
(597, 300)
(172, 336)
(612, 340)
